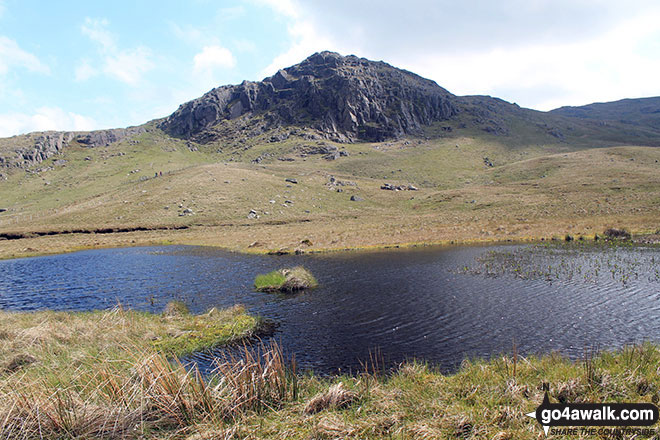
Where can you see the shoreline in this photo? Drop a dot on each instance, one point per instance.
(70, 243)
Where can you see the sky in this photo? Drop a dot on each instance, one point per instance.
(85, 65)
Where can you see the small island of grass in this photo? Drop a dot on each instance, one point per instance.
(285, 280)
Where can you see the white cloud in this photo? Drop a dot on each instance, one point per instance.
(541, 54)
(45, 118)
(129, 65)
(188, 34)
(11, 55)
(125, 65)
(288, 8)
(306, 41)
(84, 71)
(96, 30)
(613, 65)
(212, 57)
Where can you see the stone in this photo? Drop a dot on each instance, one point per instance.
(103, 138)
(357, 199)
(291, 180)
(347, 98)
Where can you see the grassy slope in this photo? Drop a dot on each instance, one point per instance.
(539, 187)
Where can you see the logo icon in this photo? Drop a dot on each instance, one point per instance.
(593, 414)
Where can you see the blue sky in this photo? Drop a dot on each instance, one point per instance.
(80, 65)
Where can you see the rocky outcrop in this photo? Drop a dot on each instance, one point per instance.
(103, 138)
(346, 98)
(36, 148)
(28, 150)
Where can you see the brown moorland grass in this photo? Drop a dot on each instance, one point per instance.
(105, 374)
(532, 192)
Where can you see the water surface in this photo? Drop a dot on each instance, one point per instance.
(404, 303)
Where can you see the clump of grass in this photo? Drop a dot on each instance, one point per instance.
(112, 374)
(335, 397)
(285, 280)
(270, 281)
(176, 308)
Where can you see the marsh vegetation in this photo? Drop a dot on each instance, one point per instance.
(598, 262)
(285, 280)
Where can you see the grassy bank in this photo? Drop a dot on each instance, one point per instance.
(483, 400)
(106, 373)
(100, 375)
(285, 280)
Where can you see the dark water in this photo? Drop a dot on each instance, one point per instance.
(404, 303)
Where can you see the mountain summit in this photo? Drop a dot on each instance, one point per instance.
(347, 98)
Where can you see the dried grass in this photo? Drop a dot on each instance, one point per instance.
(336, 397)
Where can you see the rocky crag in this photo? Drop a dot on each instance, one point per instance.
(32, 149)
(344, 98)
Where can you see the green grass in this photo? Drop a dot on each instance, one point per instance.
(272, 280)
(285, 280)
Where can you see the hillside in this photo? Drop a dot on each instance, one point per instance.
(339, 151)
(643, 113)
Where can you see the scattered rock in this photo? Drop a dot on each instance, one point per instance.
(391, 187)
(253, 214)
(488, 162)
(614, 233)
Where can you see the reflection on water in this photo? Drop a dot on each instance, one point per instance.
(406, 303)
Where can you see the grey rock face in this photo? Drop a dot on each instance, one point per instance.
(45, 145)
(50, 143)
(347, 98)
(103, 138)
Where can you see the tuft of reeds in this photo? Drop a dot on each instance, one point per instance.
(159, 394)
